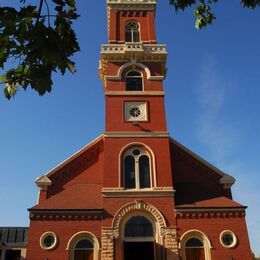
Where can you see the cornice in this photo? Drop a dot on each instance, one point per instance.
(127, 50)
(65, 215)
(197, 213)
(135, 134)
(134, 93)
(132, 4)
(133, 53)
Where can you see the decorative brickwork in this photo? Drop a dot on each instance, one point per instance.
(206, 214)
(107, 242)
(140, 206)
(170, 239)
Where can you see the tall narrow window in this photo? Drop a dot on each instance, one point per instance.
(129, 164)
(84, 249)
(134, 81)
(132, 32)
(144, 172)
(136, 169)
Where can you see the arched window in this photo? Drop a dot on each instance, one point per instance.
(138, 239)
(136, 169)
(134, 81)
(138, 226)
(194, 249)
(132, 32)
(195, 245)
(84, 249)
(83, 246)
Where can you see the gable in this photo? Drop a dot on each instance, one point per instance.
(81, 172)
(196, 180)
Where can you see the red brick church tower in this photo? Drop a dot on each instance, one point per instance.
(134, 193)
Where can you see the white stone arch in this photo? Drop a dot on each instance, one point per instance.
(134, 63)
(131, 64)
(152, 162)
(79, 236)
(198, 235)
(138, 208)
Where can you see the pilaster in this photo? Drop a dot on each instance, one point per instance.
(107, 242)
(170, 239)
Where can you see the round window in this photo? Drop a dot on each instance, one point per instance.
(228, 239)
(48, 240)
(135, 112)
(136, 152)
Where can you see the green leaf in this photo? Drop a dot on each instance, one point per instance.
(71, 3)
(7, 95)
(3, 78)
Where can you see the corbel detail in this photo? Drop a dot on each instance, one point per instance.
(43, 182)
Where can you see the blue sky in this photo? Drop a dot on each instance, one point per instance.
(212, 105)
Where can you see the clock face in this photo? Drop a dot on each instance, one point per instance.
(135, 111)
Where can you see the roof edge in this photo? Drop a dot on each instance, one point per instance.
(68, 211)
(72, 157)
(229, 208)
(196, 156)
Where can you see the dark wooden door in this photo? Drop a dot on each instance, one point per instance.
(13, 255)
(83, 255)
(195, 254)
(138, 251)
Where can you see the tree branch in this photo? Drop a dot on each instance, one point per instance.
(48, 11)
(39, 12)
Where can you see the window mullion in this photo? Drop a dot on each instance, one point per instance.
(137, 177)
(132, 35)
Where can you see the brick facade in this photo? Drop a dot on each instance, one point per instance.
(86, 197)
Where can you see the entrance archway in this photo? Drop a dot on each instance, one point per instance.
(138, 229)
(164, 238)
(139, 241)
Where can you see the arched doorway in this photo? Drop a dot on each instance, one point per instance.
(162, 242)
(138, 239)
(194, 249)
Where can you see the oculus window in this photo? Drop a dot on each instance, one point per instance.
(228, 239)
(48, 241)
(135, 111)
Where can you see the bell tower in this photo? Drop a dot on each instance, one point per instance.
(137, 161)
(132, 68)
